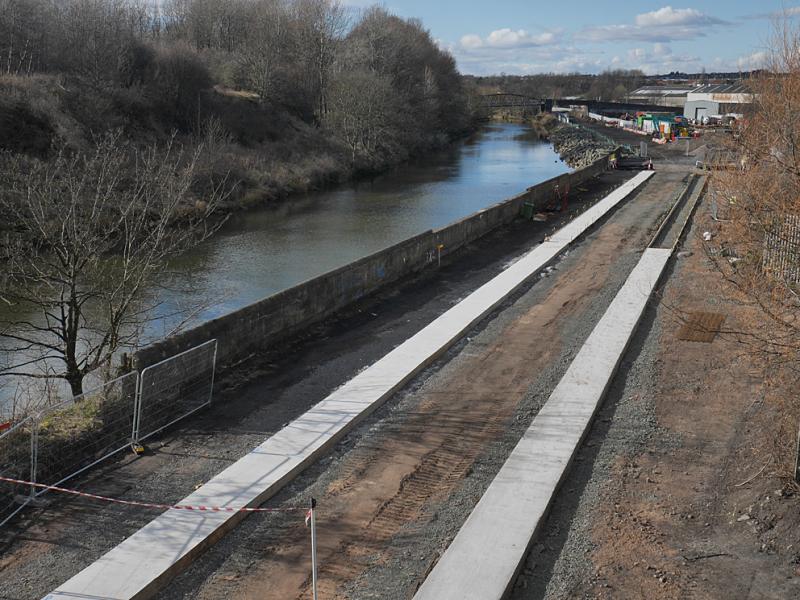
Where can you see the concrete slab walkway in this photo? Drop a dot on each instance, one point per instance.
(483, 559)
(144, 562)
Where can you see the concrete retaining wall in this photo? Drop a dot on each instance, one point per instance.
(286, 313)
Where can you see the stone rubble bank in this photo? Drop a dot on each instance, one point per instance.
(580, 147)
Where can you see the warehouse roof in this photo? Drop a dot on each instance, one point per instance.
(657, 90)
(722, 88)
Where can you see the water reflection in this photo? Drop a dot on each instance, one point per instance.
(261, 252)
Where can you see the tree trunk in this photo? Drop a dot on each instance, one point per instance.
(75, 381)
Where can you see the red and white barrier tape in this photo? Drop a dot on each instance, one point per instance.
(152, 504)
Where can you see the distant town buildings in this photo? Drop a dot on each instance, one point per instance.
(717, 100)
(661, 95)
(698, 101)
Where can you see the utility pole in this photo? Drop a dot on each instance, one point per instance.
(313, 518)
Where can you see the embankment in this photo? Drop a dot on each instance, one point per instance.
(577, 146)
(282, 315)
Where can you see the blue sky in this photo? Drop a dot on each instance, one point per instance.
(519, 37)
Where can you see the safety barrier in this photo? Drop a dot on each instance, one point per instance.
(78, 433)
(68, 438)
(174, 388)
(16, 460)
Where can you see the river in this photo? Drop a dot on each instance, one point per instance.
(260, 252)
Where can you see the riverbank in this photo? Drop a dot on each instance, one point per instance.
(273, 388)
(262, 152)
(577, 146)
(265, 250)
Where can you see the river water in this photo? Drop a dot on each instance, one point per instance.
(260, 252)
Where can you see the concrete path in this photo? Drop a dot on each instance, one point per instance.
(483, 559)
(144, 562)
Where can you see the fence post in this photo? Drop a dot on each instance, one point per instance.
(34, 453)
(213, 372)
(313, 548)
(137, 409)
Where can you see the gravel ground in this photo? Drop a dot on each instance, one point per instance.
(46, 547)
(666, 500)
(397, 571)
(558, 561)
(560, 564)
(400, 577)
(580, 146)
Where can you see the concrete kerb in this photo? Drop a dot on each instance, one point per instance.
(140, 565)
(508, 517)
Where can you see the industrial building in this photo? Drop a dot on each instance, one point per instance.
(717, 100)
(697, 101)
(672, 95)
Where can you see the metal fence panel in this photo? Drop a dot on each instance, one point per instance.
(78, 433)
(16, 462)
(175, 388)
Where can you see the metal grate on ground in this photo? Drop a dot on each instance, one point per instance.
(701, 327)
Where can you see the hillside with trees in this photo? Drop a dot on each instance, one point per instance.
(127, 126)
(613, 85)
(282, 96)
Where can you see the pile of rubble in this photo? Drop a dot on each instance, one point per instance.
(580, 147)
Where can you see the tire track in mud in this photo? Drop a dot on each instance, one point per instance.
(380, 498)
(418, 457)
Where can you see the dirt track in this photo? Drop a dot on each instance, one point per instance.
(392, 500)
(46, 547)
(396, 490)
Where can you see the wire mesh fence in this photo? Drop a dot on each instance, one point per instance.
(16, 462)
(80, 432)
(64, 440)
(175, 388)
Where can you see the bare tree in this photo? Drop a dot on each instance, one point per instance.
(360, 111)
(90, 234)
(760, 198)
(756, 229)
(322, 24)
(264, 55)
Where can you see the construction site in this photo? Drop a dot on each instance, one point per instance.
(551, 409)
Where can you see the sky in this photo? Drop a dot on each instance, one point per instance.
(525, 37)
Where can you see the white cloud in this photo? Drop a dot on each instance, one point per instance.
(663, 25)
(660, 59)
(471, 41)
(661, 49)
(635, 54)
(787, 12)
(668, 16)
(524, 60)
(756, 60)
(508, 38)
(747, 62)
